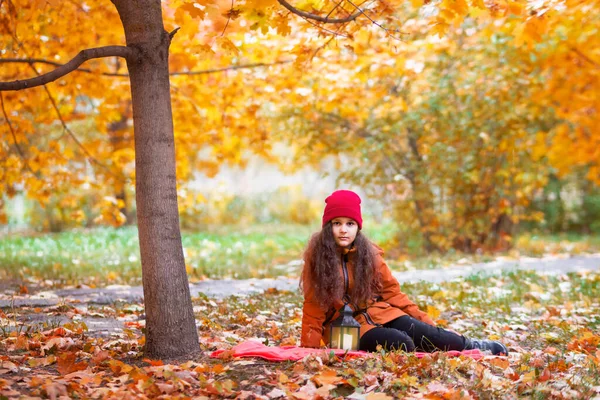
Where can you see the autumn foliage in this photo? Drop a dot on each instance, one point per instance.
(455, 112)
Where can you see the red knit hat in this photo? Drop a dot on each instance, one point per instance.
(342, 203)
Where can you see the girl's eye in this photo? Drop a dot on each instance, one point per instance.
(350, 223)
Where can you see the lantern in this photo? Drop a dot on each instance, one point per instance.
(345, 331)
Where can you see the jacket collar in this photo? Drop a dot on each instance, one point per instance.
(344, 250)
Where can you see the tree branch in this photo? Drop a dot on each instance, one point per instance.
(373, 21)
(315, 17)
(363, 132)
(228, 18)
(173, 32)
(334, 33)
(231, 67)
(12, 131)
(586, 58)
(87, 154)
(42, 61)
(84, 55)
(203, 72)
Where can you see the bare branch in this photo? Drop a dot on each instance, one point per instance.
(373, 21)
(203, 72)
(315, 17)
(84, 55)
(56, 64)
(87, 154)
(363, 132)
(12, 131)
(333, 9)
(325, 29)
(228, 18)
(232, 67)
(586, 58)
(173, 32)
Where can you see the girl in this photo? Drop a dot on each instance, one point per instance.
(341, 266)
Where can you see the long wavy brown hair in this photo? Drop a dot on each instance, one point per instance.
(322, 258)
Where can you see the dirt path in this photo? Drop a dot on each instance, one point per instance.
(33, 308)
(225, 288)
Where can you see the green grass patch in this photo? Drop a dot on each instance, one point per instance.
(107, 255)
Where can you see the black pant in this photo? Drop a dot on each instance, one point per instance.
(409, 334)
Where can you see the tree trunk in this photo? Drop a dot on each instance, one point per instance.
(170, 324)
(422, 196)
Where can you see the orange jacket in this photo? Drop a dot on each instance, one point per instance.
(389, 304)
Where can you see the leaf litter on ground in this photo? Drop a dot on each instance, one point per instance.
(549, 322)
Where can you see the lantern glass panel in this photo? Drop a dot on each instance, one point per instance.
(345, 331)
(344, 337)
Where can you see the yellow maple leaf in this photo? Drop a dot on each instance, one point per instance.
(478, 4)
(261, 3)
(282, 26)
(515, 7)
(192, 10)
(440, 28)
(227, 46)
(433, 312)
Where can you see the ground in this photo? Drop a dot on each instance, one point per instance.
(88, 346)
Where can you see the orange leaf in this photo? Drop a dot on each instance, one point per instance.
(283, 378)
(327, 377)
(119, 367)
(154, 363)
(227, 45)
(56, 332)
(545, 375)
(100, 356)
(501, 363)
(193, 11)
(66, 363)
(22, 343)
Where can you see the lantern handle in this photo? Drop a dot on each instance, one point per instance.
(346, 299)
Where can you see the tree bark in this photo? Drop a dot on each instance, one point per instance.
(422, 196)
(170, 324)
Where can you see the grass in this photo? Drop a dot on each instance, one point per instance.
(111, 256)
(538, 244)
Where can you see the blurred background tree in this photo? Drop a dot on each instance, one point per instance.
(467, 137)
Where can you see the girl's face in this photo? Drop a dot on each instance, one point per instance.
(344, 231)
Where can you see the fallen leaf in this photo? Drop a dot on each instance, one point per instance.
(328, 376)
(9, 366)
(66, 363)
(154, 363)
(55, 390)
(276, 393)
(501, 363)
(378, 396)
(545, 375)
(100, 356)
